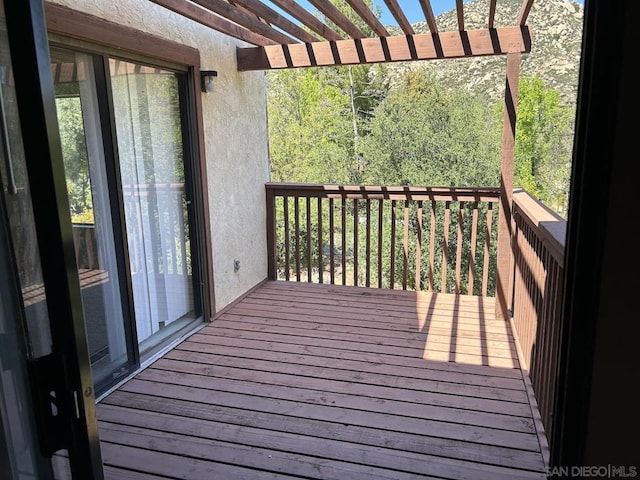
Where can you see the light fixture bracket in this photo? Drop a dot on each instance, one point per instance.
(207, 78)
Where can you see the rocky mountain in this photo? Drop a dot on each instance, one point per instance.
(556, 27)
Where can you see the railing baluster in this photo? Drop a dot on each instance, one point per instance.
(392, 279)
(355, 241)
(405, 245)
(418, 280)
(308, 212)
(272, 268)
(296, 214)
(380, 219)
(487, 250)
(368, 245)
(332, 273)
(459, 246)
(344, 241)
(285, 207)
(320, 246)
(445, 247)
(472, 251)
(432, 247)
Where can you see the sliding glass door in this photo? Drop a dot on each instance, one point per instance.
(90, 193)
(149, 131)
(122, 135)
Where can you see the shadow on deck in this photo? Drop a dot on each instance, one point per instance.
(329, 382)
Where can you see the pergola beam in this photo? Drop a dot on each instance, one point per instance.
(473, 43)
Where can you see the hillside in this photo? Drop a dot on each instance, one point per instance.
(556, 27)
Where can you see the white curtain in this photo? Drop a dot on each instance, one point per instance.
(150, 150)
(110, 290)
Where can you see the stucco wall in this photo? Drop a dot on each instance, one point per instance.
(236, 140)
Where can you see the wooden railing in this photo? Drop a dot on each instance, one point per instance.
(538, 244)
(157, 228)
(417, 238)
(86, 247)
(157, 231)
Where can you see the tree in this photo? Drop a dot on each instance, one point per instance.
(423, 134)
(76, 160)
(543, 144)
(316, 119)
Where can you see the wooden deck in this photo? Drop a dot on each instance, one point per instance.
(329, 382)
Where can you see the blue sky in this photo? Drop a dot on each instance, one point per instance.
(413, 11)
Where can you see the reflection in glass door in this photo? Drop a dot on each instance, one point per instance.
(121, 130)
(89, 191)
(149, 130)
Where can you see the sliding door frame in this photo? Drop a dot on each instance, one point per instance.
(107, 128)
(64, 376)
(77, 30)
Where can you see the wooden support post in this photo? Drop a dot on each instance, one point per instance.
(271, 234)
(504, 262)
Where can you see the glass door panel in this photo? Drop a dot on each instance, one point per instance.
(47, 402)
(149, 136)
(24, 334)
(92, 219)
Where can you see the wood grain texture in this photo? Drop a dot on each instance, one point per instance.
(359, 50)
(82, 26)
(321, 381)
(505, 254)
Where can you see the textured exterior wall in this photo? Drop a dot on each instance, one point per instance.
(236, 140)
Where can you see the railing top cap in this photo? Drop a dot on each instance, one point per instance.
(551, 226)
(384, 191)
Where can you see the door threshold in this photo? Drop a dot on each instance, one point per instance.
(152, 358)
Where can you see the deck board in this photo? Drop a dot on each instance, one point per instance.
(301, 380)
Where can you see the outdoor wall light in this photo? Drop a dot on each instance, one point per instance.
(206, 80)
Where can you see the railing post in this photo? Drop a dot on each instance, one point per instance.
(271, 233)
(506, 185)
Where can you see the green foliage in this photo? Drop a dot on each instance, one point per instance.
(349, 126)
(423, 134)
(74, 154)
(543, 144)
(86, 217)
(316, 118)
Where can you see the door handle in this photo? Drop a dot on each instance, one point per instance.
(54, 404)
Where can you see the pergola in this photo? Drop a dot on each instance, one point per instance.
(280, 42)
